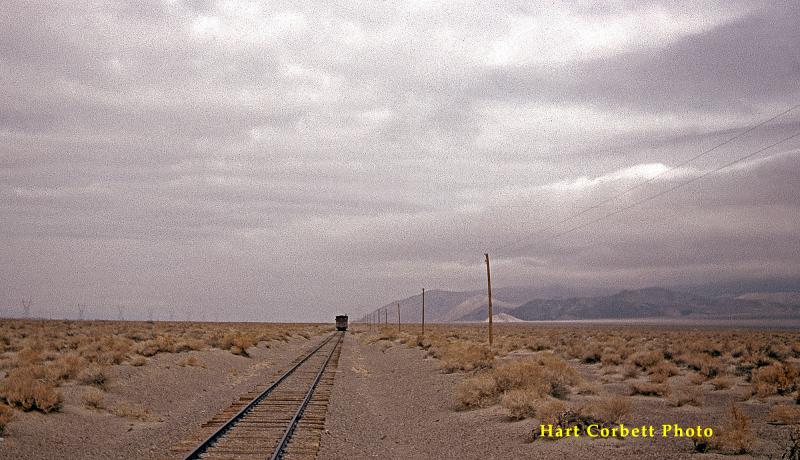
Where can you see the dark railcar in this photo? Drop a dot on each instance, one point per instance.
(341, 322)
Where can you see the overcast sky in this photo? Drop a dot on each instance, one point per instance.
(290, 160)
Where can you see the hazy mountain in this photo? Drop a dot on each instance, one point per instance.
(651, 303)
(548, 303)
(503, 318)
(476, 308)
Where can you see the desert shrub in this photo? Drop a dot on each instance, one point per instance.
(93, 398)
(547, 374)
(189, 345)
(784, 415)
(160, 344)
(703, 363)
(696, 378)
(647, 359)
(775, 379)
(736, 437)
(237, 343)
(683, 396)
(588, 388)
(465, 356)
(521, 403)
(67, 366)
(721, 383)
(549, 411)
(128, 410)
(611, 359)
(608, 409)
(29, 389)
(630, 371)
(662, 371)
(649, 389)
(592, 353)
(541, 376)
(478, 391)
(138, 361)
(29, 355)
(93, 375)
(6, 414)
(191, 361)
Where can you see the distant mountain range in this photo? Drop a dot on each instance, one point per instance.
(537, 304)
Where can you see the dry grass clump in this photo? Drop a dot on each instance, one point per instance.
(478, 391)
(784, 415)
(611, 358)
(189, 345)
(464, 356)
(138, 361)
(128, 410)
(6, 414)
(236, 342)
(29, 389)
(521, 403)
(546, 374)
(775, 379)
(191, 361)
(93, 398)
(536, 377)
(93, 375)
(608, 409)
(705, 364)
(721, 383)
(647, 359)
(649, 389)
(68, 366)
(160, 344)
(736, 437)
(683, 396)
(663, 371)
(550, 410)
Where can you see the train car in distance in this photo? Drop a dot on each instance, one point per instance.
(341, 322)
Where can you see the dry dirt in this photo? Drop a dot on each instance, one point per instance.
(161, 403)
(393, 401)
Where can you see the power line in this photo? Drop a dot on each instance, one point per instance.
(648, 181)
(671, 189)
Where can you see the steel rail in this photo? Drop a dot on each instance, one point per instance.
(278, 453)
(210, 440)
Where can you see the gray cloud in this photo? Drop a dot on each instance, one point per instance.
(243, 161)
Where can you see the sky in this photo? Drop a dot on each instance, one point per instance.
(287, 161)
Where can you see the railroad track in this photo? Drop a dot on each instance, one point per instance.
(283, 420)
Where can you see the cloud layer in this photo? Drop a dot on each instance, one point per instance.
(285, 161)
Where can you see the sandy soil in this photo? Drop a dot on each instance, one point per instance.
(394, 402)
(388, 401)
(160, 403)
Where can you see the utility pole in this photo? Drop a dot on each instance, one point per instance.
(386, 315)
(489, 283)
(26, 308)
(423, 311)
(398, 316)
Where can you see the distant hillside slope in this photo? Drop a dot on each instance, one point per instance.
(437, 304)
(476, 308)
(649, 303)
(596, 303)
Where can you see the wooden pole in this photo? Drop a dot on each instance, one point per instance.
(423, 311)
(489, 283)
(398, 316)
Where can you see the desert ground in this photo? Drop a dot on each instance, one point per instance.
(123, 389)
